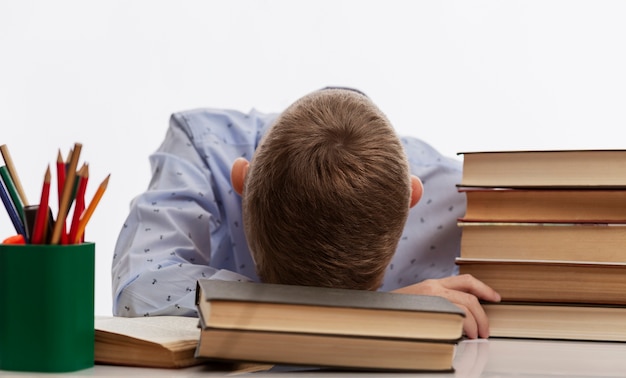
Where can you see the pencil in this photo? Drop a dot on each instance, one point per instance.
(60, 175)
(90, 209)
(41, 219)
(76, 180)
(12, 190)
(59, 226)
(9, 163)
(15, 219)
(79, 205)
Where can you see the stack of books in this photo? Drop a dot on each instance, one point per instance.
(547, 230)
(324, 327)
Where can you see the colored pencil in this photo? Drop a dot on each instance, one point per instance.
(74, 183)
(41, 220)
(12, 190)
(16, 180)
(59, 226)
(60, 175)
(79, 205)
(15, 218)
(89, 210)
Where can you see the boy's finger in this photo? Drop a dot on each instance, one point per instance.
(469, 284)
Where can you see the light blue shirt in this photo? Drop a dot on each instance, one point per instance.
(188, 224)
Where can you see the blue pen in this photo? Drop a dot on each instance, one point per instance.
(15, 218)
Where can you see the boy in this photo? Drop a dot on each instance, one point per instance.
(319, 195)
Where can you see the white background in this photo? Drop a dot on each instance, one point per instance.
(462, 75)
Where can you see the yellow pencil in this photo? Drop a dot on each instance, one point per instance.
(84, 218)
(11, 168)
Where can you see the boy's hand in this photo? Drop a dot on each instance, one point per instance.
(465, 291)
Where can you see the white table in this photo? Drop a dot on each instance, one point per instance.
(474, 358)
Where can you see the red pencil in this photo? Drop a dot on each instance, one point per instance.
(79, 204)
(68, 187)
(80, 233)
(61, 173)
(41, 219)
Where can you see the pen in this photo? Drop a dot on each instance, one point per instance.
(30, 215)
(89, 210)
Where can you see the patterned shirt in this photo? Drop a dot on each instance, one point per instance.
(187, 225)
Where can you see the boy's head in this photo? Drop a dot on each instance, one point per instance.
(327, 193)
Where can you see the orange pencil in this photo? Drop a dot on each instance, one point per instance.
(68, 187)
(89, 210)
(41, 219)
(79, 205)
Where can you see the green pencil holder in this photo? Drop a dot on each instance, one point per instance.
(47, 307)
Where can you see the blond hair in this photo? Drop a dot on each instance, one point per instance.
(327, 194)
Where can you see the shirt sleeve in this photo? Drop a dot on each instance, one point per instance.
(431, 239)
(174, 228)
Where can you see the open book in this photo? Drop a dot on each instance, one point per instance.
(156, 341)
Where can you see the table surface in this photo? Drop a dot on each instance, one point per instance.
(474, 358)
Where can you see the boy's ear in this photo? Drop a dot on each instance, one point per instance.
(417, 189)
(238, 174)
